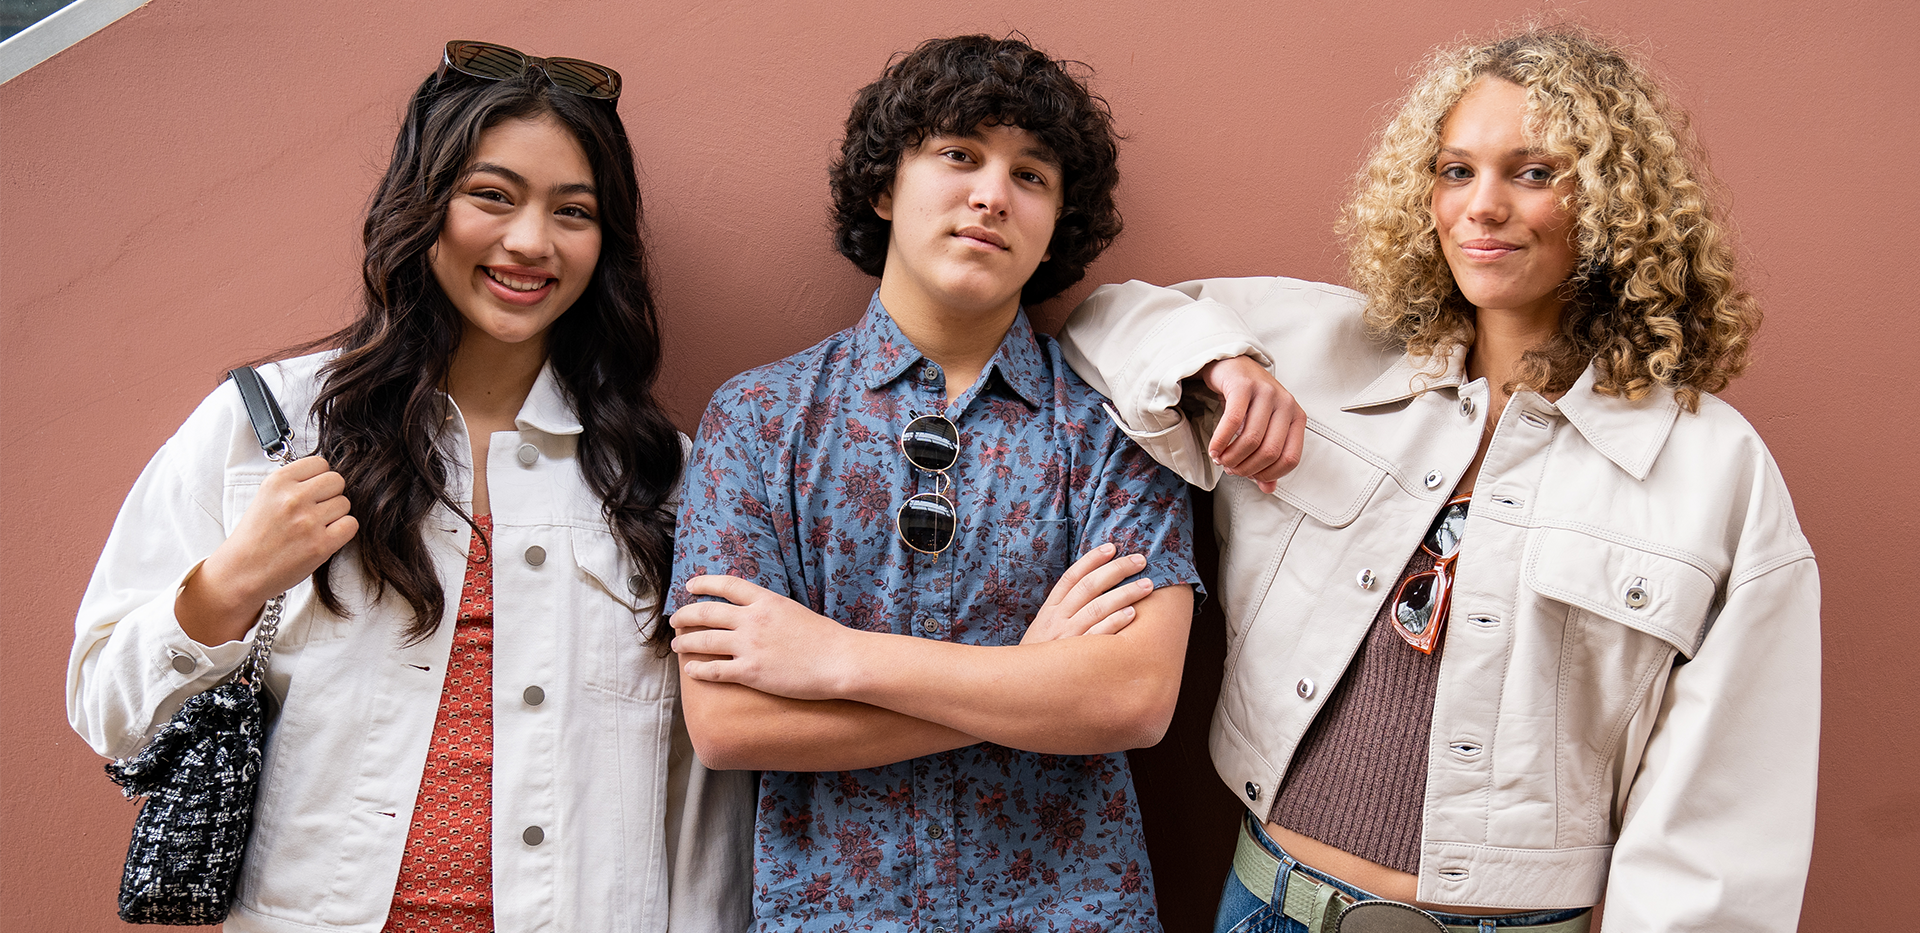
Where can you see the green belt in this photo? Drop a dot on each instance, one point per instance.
(1319, 905)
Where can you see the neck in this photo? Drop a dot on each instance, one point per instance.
(490, 380)
(960, 341)
(1500, 339)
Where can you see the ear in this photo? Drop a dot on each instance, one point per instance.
(883, 205)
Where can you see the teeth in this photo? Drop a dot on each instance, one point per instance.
(515, 282)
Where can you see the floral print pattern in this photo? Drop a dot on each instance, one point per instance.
(793, 484)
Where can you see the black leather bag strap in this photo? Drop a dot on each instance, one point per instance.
(269, 423)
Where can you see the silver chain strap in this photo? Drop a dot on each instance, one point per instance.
(253, 671)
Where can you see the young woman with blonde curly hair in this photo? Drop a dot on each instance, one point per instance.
(1531, 625)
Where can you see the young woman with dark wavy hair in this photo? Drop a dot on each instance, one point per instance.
(1532, 624)
(478, 727)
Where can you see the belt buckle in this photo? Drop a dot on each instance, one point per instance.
(1387, 917)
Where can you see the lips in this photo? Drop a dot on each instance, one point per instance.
(983, 235)
(518, 285)
(1487, 248)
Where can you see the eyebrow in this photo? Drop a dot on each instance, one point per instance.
(492, 168)
(1522, 152)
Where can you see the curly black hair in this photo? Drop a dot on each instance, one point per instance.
(951, 87)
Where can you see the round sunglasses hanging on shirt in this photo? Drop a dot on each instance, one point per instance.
(1420, 604)
(926, 522)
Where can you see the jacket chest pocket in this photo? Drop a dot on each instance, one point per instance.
(1632, 611)
(617, 619)
(1029, 556)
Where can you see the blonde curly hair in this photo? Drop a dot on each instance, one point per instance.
(1654, 299)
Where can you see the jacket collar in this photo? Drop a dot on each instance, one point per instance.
(1630, 433)
(546, 408)
(883, 354)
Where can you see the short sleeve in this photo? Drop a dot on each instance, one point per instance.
(1139, 506)
(726, 525)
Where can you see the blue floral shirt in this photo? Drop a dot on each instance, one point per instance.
(793, 484)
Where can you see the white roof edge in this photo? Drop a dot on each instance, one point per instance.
(62, 28)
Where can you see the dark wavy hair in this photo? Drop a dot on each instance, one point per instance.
(380, 410)
(952, 86)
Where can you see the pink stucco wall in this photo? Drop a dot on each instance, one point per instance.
(182, 191)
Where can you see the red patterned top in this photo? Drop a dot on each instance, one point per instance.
(446, 873)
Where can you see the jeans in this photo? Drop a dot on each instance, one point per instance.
(1242, 912)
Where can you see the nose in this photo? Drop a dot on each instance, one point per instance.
(991, 193)
(1487, 202)
(528, 234)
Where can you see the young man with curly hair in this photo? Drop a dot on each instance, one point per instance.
(876, 599)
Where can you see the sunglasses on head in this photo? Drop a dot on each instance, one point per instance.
(1420, 604)
(926, 522)
(490, 62)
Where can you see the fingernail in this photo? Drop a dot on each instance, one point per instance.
(1146, 584)
(1139, 560)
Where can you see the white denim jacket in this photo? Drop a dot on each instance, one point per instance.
(634, 834)
(1629, 703)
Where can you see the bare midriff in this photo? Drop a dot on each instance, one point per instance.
(1372, 877)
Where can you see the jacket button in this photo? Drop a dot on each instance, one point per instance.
(1304, 688)
(534, 695)
(1253, 791)
(536, 555)
(533, 836)
(1636, 596)
(183, 664)
(1434, 479)
(528, 454)
(635, 583)
(1365, 579)
(1466, 408)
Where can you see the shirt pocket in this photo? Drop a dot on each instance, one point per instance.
(1630, 611)
(1029, 557)
(616, 620)
(1333, 480)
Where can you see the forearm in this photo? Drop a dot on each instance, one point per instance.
(1074, 696)
(740, 728)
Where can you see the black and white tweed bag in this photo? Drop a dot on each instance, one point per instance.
(198, 774)
(200, 770)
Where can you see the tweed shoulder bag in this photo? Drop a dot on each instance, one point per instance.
(200, 770)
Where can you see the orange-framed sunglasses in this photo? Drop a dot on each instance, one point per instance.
(1420, 604)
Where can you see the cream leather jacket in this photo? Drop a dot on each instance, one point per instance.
(1629, 703)
(634, 834)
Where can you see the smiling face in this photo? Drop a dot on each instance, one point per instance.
(521, 236)
(971, 217)
(1496, 209)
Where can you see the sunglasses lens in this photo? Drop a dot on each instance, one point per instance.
(1443, 539)
(1413, 609)
(584, 78)
(931, 443)
(927, 522)
(486, 60)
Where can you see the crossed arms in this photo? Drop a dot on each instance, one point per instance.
(769, 684)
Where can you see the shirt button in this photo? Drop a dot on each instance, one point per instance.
(930, 373)
(1636, 599)
(536, 555)
(533, 836)
(929, 624)
(935, 832)
(1304, 688)
(534, 695)
(1434, 479)
(1365, 579)
(528, 454)
(1253, 791)
(183, 664)
(1466, 408)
